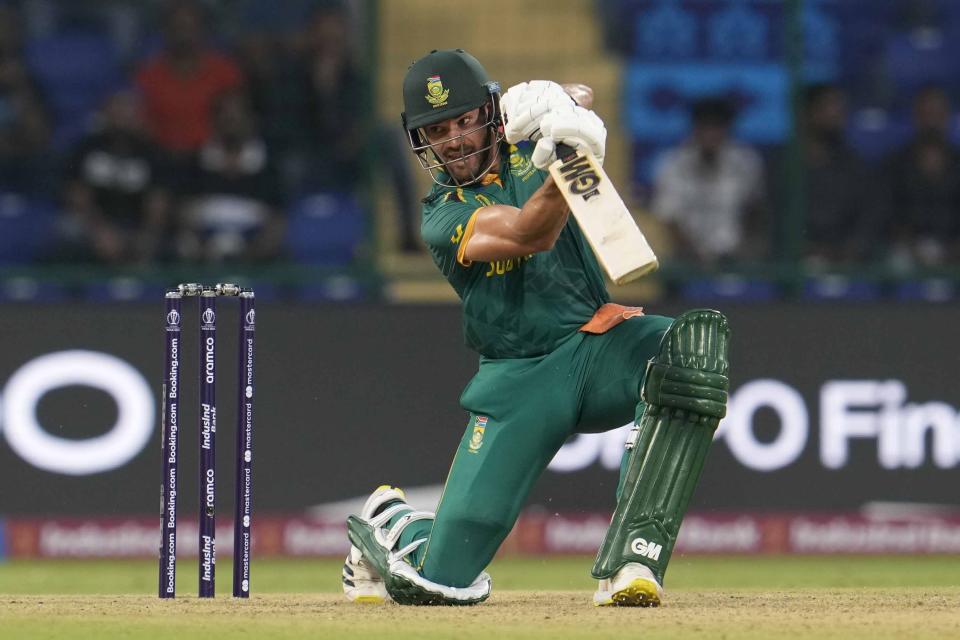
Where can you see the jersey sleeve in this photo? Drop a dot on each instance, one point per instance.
(447, 227)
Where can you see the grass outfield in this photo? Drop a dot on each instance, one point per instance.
(897, 597)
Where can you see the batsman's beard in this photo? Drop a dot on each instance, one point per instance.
(470, 166)
(463, 168)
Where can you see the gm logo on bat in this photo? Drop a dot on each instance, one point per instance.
(581, 177)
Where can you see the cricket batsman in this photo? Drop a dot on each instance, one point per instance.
(557, 358)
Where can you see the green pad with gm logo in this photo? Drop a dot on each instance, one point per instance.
(685, 390)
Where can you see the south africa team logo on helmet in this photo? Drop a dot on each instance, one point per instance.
(436, 94)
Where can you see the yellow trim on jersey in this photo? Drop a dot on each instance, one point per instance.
(458, 194)
(491, 177)
(467, 234)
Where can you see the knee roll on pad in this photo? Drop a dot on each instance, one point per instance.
(685, 391)
(693, 390)
(690, 372)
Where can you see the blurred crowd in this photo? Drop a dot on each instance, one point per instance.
(160, 138)
(718, 196)
(847, 159)
(189, 131)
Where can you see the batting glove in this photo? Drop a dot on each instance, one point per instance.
(574, 126)
(525, 104)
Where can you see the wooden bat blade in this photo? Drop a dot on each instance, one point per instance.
(620, 246)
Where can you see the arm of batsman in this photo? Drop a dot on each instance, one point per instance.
(574, 126)
(524, 104)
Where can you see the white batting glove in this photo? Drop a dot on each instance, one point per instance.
(524, 104)
(574, 126)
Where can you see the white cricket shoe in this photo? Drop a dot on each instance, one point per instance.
(633, 586)
(361, 582)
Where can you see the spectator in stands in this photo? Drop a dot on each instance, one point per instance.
(181, 82)
(924, 180)
(333, 99)
(838, 223)
(709, 190)
(312, 96)
(117, 205)
(232, 202)
(309, 93)
(332, 81)
(266, 60)
(26, 164)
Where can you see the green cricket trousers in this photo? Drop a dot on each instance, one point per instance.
(521, 412)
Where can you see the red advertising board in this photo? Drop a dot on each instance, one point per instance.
(534, 534)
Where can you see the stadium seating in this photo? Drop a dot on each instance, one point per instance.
(325, 229)
(930, 290)
(27, 228)
(341, 288)
(730, 288)
(836, 287)
(76, 71)
(123, 289)
(25, 289)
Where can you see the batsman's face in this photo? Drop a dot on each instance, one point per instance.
(458, 143)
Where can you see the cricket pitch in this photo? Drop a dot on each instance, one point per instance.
(764, 598)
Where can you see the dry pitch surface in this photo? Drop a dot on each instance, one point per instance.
(833, 613)
(859, 598)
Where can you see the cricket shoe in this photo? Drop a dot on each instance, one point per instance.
(361, 582)
(632, 586)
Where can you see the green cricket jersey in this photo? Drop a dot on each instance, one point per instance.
(520, 307)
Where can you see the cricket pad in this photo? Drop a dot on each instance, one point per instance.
(685, 391)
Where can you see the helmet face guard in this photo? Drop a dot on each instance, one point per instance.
(435, 165)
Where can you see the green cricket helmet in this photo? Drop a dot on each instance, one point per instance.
(440, 86)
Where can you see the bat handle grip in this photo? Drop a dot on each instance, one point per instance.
(565, 152)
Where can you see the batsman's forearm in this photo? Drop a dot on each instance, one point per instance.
(543, 216)
(501, 231)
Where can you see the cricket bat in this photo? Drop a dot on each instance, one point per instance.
(615, 238)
